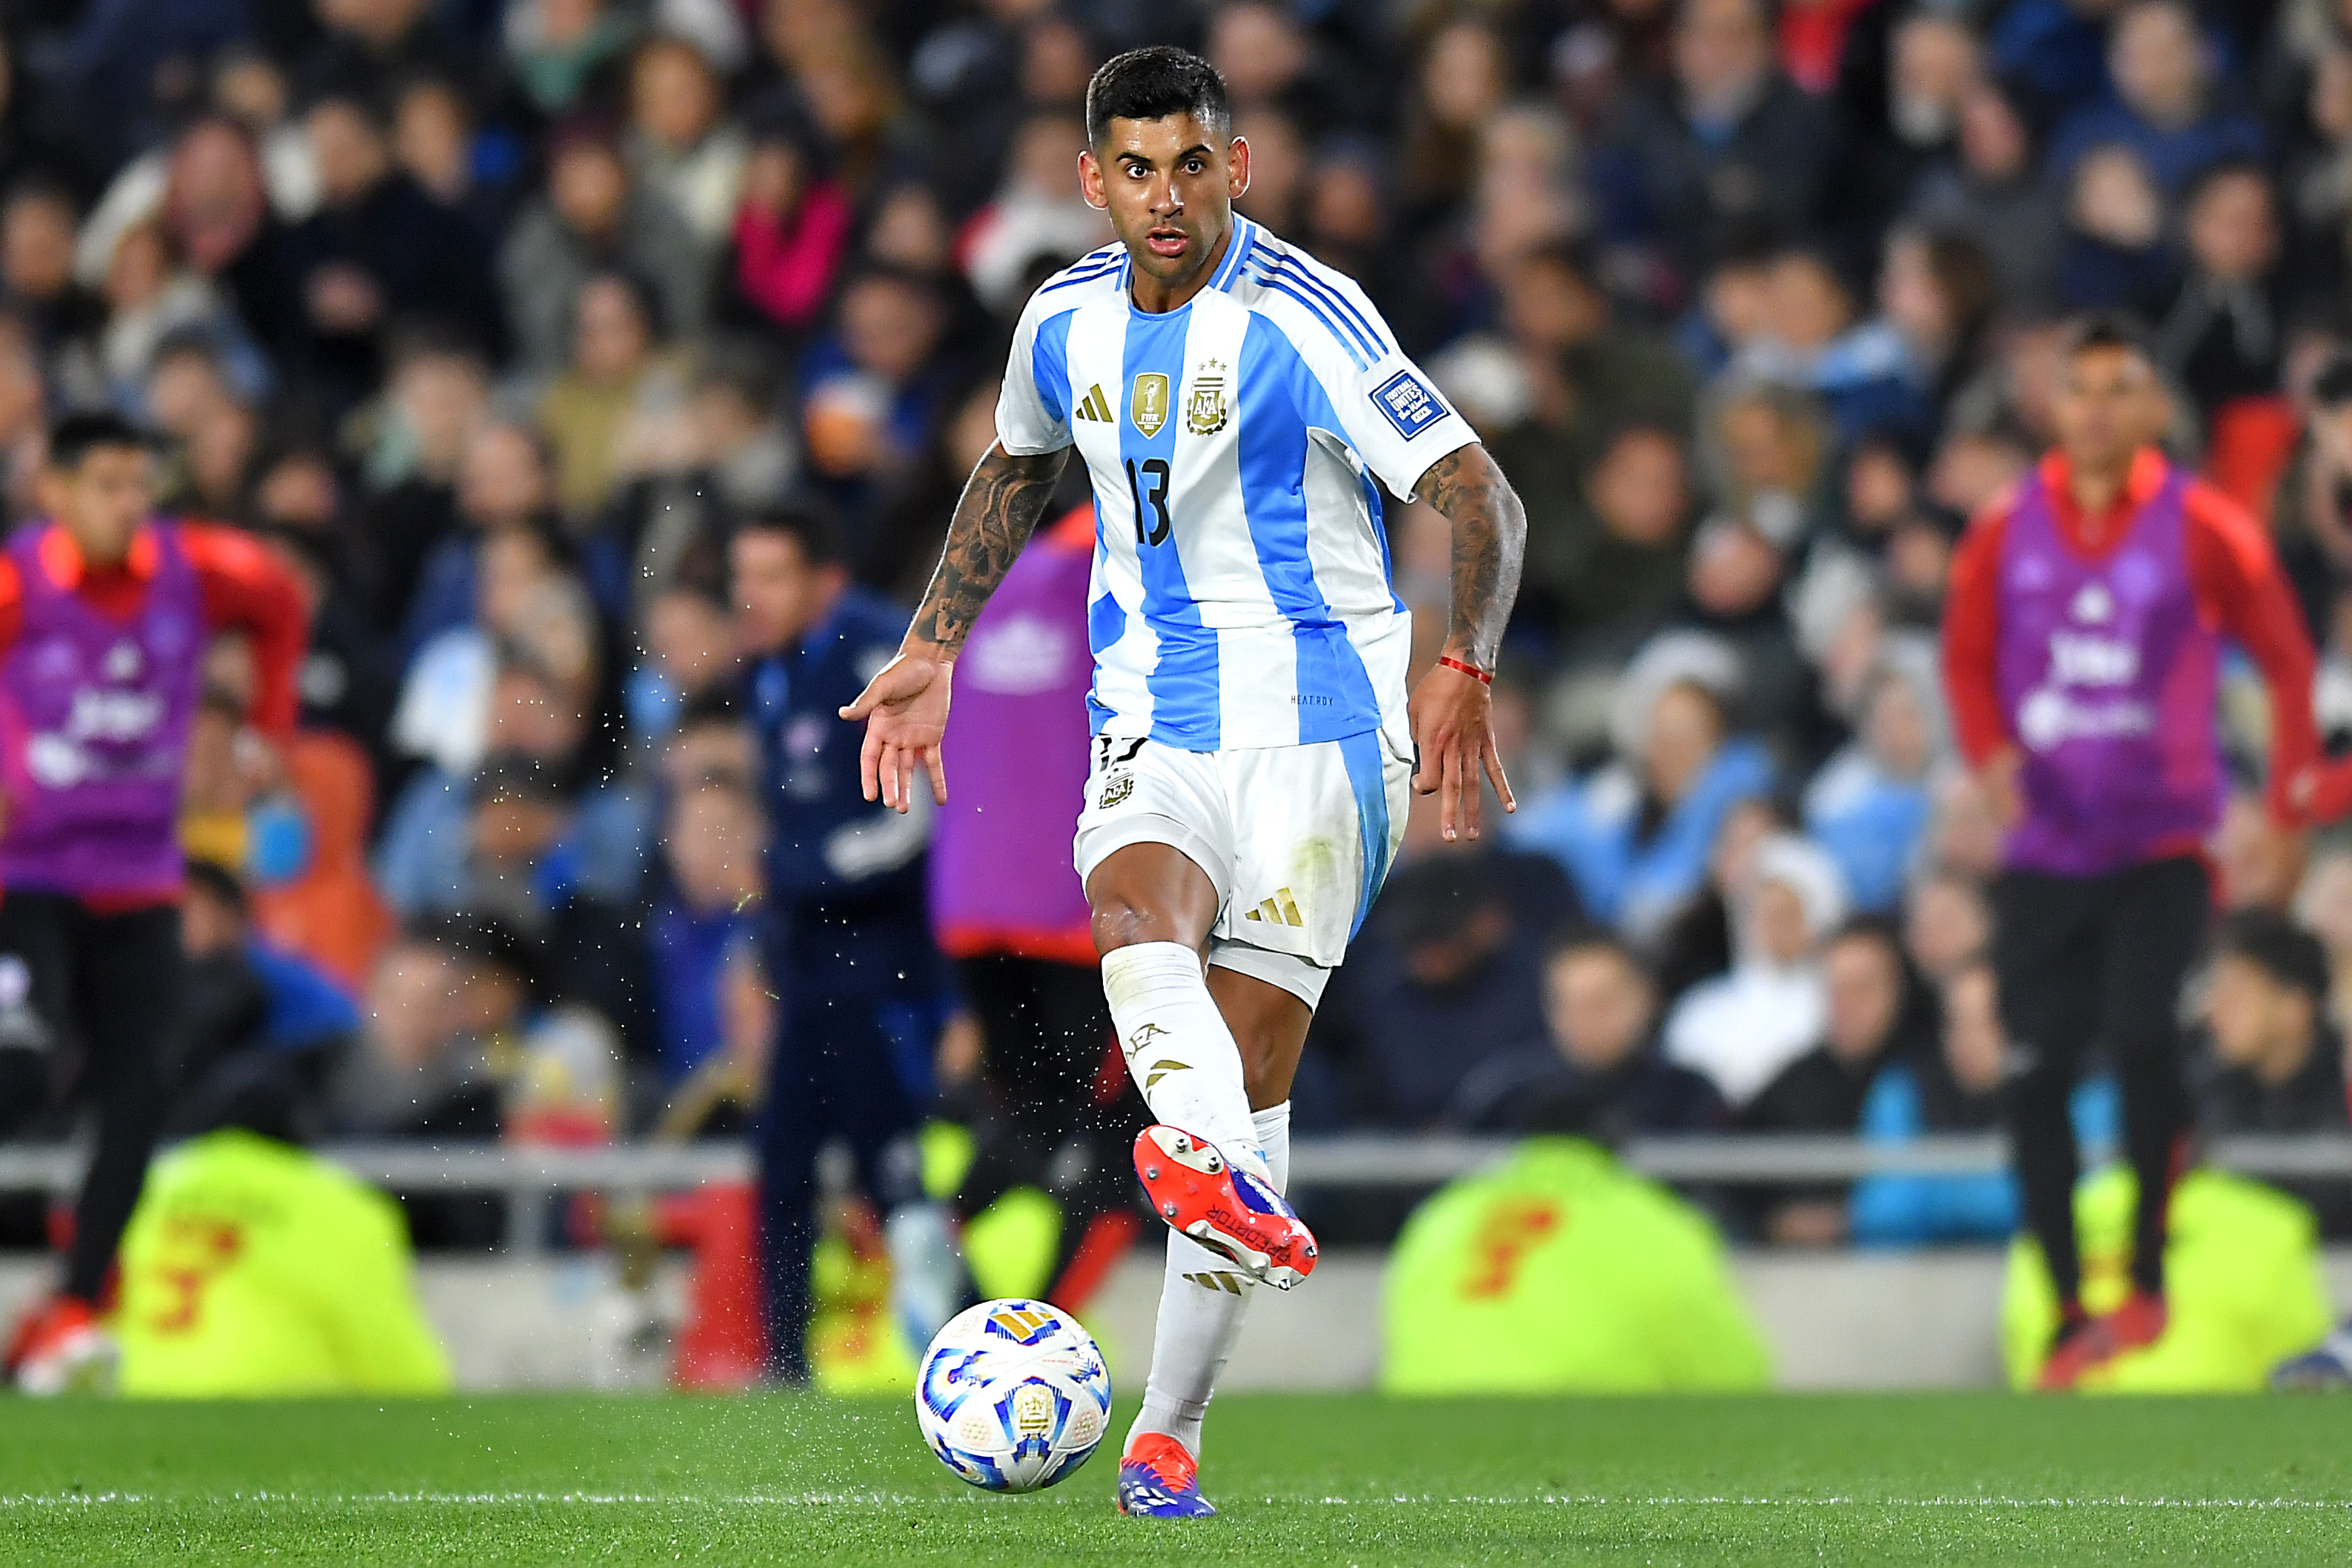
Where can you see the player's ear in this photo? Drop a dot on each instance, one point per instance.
(1238, 167)
(1090, 181)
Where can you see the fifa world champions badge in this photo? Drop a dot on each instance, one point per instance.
(1148, 405)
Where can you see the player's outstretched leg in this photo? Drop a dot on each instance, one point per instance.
(1202, 1303)
(1202, 1166)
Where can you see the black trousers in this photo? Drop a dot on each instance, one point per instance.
(851, 1059)
(1044, 1030)
(114, 985)
(2098, 960)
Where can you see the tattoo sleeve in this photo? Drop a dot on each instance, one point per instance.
(1490, 537)
(993, 519)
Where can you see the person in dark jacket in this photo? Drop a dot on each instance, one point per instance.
(850, 948)
(379, 250)
(2271, 1061)
(1598, 1071)
(1876, 1013)
(1734, 139)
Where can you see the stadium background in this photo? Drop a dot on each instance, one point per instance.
(490, 318)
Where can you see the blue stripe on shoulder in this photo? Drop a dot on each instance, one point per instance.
(1280, 283)
(1310, 272)
(1186, 707)
(1087, 269)
(1245, 240)
(1280, 399)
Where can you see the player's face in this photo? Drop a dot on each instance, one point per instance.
(101, 501)
(1169, 185)
(2105, 404)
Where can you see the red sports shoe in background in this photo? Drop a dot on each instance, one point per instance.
(2138, 1321)
(60, 1347)
(1197, 1191)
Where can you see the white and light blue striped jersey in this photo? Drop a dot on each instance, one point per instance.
(1240, 596)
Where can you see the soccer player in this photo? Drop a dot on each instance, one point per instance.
(2082, 652)
(105, 612)
(1234, 403)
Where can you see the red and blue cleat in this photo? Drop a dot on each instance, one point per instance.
(1158, 1478)
(1200, 1193)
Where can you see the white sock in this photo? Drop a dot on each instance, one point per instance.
(1177, 1044)
(1203, 1301)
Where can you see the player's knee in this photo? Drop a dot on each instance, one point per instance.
(1122, 921)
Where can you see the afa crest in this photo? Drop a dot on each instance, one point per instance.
(1115, 791)
(1205, 412)
(1148, 406)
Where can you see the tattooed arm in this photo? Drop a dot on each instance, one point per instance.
(1453, 724)
(905, 705)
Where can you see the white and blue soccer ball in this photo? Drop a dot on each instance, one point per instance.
(1013, 1394)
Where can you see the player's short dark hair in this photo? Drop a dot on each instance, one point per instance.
(811, 526)
(1155, 82)
(2280, 948)
(2099, 330)
(76, 435)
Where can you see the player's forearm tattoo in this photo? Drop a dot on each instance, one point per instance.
(999, 510)
(1490, 537)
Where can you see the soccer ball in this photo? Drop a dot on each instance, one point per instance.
(1013, 1396)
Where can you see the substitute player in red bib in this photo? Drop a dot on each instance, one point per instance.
(2082, 644)
(105, 613)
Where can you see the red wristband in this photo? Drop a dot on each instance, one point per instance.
(1485, 677)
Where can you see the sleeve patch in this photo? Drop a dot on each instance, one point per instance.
(1408, 403)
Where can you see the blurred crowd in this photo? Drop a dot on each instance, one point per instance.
(491, 317)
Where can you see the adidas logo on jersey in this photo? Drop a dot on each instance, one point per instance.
(1279, 910)
(1094, 405)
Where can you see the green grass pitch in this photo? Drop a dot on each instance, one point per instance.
(1957, 1479)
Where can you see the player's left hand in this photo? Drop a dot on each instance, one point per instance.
(904, 708)
(1451, 715)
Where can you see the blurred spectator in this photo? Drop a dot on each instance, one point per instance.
(2116, 255)
(2274, 1060)
(1599, 1072)
(378, 250)
(557, 47)
(1870, 1017)
(594, 218)
(1609, 576)
(790, 233)
(1947, 926)
(1994, 192)
(2224, 337)
(1743, 1028)
(1634, 835)
(619, 374)
(1457, 980)
(2167, 109)
(680, 145)
(1868, 805)
(1731, 139)
(709, 988)
(1953, 1089)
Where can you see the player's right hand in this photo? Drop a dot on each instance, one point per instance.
(904, 708)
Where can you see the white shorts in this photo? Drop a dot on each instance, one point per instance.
(1296, 838)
